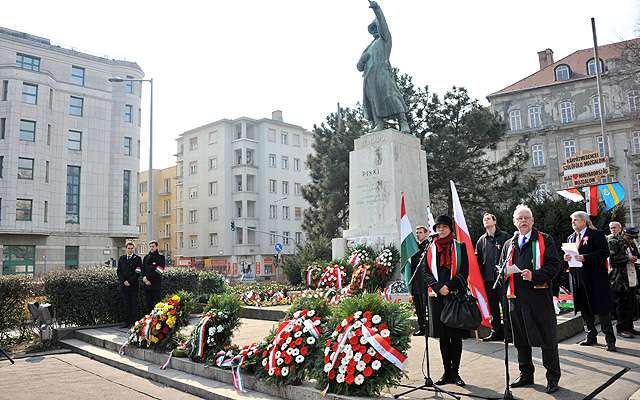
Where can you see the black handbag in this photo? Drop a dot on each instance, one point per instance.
(461, 311)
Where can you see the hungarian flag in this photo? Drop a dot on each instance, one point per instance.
(475, 278)
(409, 246)
(591, 197)
(572, 194)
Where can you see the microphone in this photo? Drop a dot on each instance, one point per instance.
(434, 235)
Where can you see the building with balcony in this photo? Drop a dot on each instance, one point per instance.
(249, 172)
(69, 155)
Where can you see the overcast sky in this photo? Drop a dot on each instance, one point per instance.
(227, 59)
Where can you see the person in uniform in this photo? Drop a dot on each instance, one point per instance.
(152, 270)
(128, 271)
(418, 286)
(623, 256)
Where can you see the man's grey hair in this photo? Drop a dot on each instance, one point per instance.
(581, 214)
(522, 207)
(615, 223)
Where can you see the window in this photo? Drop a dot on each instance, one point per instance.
(600, 143)
(75, 140)
(29, 93)
(213, 188)
(18, 259)
(143, 207)
(27, 130)
(514, 120)
(562, 73)
(213, 213)
(638, 180)
(239, 209)
(213, 239)
(127, 146)
(46, 212)
(48, 134)
(285, 187)
(143, 228)
(596, 107)
(534, 117)
(285, 240)
(213, 163)
(23, 209)
(298, 213)
(25, 168)
(591, 67)
(3, 127)
(126, 206)
(296, 140)
(128, 84)
(167, 230)
(634, 100)
(71, 257)
(296, 188)
(636, 144)
(73, 195)
(537, 155)
(75, 106)
(193, 143)
(284, 138)
(298, 237)
(193, 241)
(272, 185)
(272, 237)
(273, 212)
(193, 167)
(27, 62)
(272, 160)
(5, 90)
(285, 162)
(167, 186)
(193, 192)
(569, 148)
(566, 111)
(167, 207)
(285, 212)
(46, 172)
(51, 99)
(607, 179)
(1, 165)
(77, 75)
(239, 236)
(272, 135)
(143, 187)
(128, 113)
(193, 216)
(296, 164)
(213, 137)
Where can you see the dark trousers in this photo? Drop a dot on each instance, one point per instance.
(451, 351)
(589, 318)
(550, 360)
(130, 298)
(152, 297)
(624, 308)
(420, 302)
(495, 299)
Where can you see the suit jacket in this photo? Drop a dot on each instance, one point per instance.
(488, 250)
(593, 274)
(150, 269)
(532, 313)
(418, 286)
(127, 271)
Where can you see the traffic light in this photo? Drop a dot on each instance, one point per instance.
(233, 226)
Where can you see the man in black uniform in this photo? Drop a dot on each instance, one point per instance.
(418, 286)
(533, 317)
(152, 270)
(623, 255)
(129, 269)
(488, 250)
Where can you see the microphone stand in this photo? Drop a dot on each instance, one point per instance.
(428, 382)
(6, 355)
(502, 276)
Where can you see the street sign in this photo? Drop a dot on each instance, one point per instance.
(585, 168)
(278, 247)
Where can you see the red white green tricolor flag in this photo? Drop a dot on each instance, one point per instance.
(409, 245)
(475, 278)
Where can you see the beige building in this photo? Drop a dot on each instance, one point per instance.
(164, 213)
(69, 155)
(249, 172)
(554, 113)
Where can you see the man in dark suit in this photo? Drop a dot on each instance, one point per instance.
(129, 269)
(533, 317)
(590, 284)
(152, 270)
(418, 286)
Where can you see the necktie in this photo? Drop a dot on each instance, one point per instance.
(578, 240)
(128, 257)
(522, 241)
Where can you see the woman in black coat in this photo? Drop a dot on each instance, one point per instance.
(446, 271)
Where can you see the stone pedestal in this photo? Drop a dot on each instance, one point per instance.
(382, 165)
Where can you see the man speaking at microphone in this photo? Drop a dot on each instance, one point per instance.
(533, 317)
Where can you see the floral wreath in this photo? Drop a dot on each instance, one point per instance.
(235, 358)
(360, 278)
(332, 277)
(312, 275)
(156, 329)
(387, 261)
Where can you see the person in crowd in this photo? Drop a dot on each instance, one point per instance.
(488, 251)
(418, 286)
(615, 227)
(533, 318)
(129, 269)
(152, 270)
(590, 284)
(445, 272)
(623, 256)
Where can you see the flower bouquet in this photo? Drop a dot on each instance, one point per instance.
(211, 334)
(386, 262)
(312, 275)
(365, 347)
(361, 279)
(360, 254)
(234, 357)
(332, 277)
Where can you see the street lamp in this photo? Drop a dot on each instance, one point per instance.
(626, 162)
(150, 210)
(275, 219)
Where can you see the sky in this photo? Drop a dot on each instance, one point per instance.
(216, 59)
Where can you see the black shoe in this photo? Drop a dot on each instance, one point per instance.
(521, 381)
(125, 325)
(457, 380)
(493, 337)
(588, 342)
(509, 340)
(419, 332)
(552, 387)
(611, 347)
(634, 332)
(444, 380)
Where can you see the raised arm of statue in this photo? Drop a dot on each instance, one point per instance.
(383, 28)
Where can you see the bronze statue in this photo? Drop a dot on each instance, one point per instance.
(382, 98)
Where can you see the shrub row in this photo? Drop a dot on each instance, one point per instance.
(15, 290)
(92, 296)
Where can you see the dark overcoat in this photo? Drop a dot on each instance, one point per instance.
(456, 283)
(593, 273)
(153, 268)
(488, 251)
(127, 271)
(533, 317)
(418, 286)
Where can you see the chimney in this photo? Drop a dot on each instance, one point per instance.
(546, 58)
(276, 115)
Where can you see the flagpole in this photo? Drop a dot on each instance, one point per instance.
(626, 162)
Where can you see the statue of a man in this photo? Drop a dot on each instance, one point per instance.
(382, 98)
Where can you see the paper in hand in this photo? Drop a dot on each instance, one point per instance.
(572, 250)
(513, 269)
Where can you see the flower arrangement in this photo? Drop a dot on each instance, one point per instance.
(335, 296)
(234, 357)
(332, 277)
(386, 262)
(262, 295)
(312, 275)
(212, 333)
(365, 346)
(360, 278)
(360, 254)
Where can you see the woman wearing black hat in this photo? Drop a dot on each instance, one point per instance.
(447, 269)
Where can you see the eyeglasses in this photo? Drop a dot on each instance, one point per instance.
(523, 218)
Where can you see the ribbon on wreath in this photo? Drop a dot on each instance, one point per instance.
(236, 375)
(164, 366)
(387, 293)
(355, 257)
(333, 271)
(382, 268)
(334, 359)
(384, 348)
(310, 275)
(363, 271)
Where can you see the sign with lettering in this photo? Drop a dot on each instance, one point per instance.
(258, 268)
(235, 268)
(585, 168)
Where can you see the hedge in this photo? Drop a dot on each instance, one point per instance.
(92, 296)
(14, 292)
